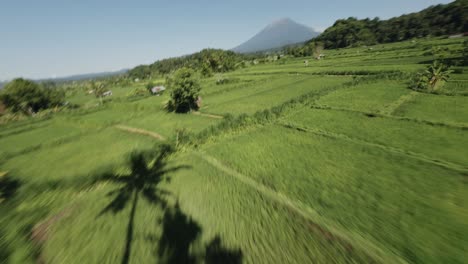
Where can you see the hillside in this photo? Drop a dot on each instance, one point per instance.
(436, 20)
(334, 162)
(278, 34)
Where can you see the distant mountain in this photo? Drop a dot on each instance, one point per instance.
(278, 34)
(85, 76)
(77, 77)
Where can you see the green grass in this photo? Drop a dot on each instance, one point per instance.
(77, 158)
(249, 100)
(432, 142)
(246, 221)
(33, 137)
(438, 108)
(370, 97)
(386, 197)
(166, 124)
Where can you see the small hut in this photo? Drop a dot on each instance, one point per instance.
(158, 89)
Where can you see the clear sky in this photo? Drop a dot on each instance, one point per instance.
(52, 38)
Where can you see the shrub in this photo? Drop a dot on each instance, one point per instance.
(206, 70)
(225, 80)
(149, 86)
(137, 92)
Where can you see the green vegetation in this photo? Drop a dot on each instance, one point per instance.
(25, 96)
(434, 21)
(99, 90)
(432, 79)
(185, 89)
(208, 60)
(336, 162)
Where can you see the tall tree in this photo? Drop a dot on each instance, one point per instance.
(185, 89)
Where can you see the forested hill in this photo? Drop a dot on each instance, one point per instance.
(436, 20)
(208, 61)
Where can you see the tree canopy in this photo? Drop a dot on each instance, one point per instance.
(208, 61)
(26, 96)
(185, 88)
(433, 21)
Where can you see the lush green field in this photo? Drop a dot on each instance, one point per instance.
(449, 109)
(346, 165)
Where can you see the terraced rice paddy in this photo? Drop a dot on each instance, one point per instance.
(343, 167)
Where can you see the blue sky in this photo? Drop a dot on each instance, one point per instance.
(53, 38)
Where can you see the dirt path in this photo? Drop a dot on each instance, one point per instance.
(319, 224)
(40, 232)
(392, 107)
(140, 131)
(208, 115)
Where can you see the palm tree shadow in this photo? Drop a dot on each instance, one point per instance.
(179, 238)
(147, 170)
(8, 187)
(217, 253)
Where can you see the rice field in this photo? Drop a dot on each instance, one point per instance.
(336, 162)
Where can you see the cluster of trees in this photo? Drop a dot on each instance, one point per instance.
(312, 48)
(433, 21)
(29, 97)
(207, 61)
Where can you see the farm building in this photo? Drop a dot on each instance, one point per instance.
(157, 89)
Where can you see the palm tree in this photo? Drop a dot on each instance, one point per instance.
(437, 73)
(99, 90)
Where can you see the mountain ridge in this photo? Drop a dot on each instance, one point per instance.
(277, 34)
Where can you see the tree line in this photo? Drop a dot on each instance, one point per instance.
(436, 20)
(207, 62)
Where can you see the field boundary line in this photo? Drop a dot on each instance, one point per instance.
(411, 154)
(140, 131)
(355, 240)
(207, 115)
(295, 82)
(392, 107)
(420, 121)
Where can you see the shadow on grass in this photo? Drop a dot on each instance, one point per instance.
(8, 187)
(4, 249)
(147, 170)
(178, 242)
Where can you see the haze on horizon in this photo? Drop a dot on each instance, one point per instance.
(52, 38)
